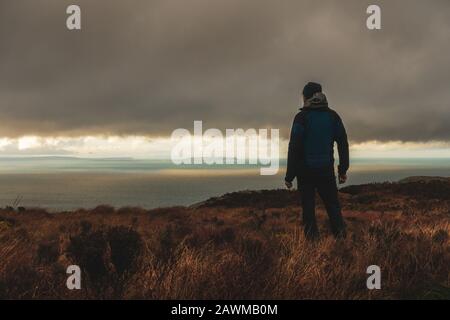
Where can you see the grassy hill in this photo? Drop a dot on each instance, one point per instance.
(244, 245)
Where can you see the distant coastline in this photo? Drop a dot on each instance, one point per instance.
(66, 183)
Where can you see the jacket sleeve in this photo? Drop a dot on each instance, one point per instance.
(342, 144)
(294, 150)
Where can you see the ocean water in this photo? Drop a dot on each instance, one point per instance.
(59, 183)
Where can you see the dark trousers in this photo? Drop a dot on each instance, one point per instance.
(327, 189)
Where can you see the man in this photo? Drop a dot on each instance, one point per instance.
(311, 159)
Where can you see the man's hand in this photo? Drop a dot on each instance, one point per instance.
(288, 184)
(342, 178)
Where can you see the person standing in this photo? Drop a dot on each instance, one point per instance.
(311, 159)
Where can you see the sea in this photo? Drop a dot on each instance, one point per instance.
(67, 183)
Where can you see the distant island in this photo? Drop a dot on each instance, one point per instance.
(242, 245)
(424, 179)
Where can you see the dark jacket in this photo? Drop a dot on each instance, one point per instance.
(311, 145)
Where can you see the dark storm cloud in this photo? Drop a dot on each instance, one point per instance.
(148, 67)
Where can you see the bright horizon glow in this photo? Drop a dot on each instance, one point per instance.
(143, 147)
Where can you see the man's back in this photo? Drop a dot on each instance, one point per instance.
(311, 148)
(319, 138)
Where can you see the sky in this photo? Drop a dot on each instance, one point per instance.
(138, 70)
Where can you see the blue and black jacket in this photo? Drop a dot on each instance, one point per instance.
(311, 145)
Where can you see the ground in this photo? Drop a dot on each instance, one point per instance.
(244, 245)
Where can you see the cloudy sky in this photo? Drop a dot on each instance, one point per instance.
(144, 68)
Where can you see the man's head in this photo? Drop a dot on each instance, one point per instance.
(310, 89)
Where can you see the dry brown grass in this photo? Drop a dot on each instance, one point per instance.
(230, 248)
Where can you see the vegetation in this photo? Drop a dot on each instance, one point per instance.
(246, 245)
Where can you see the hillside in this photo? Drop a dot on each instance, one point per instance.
(243, 245)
